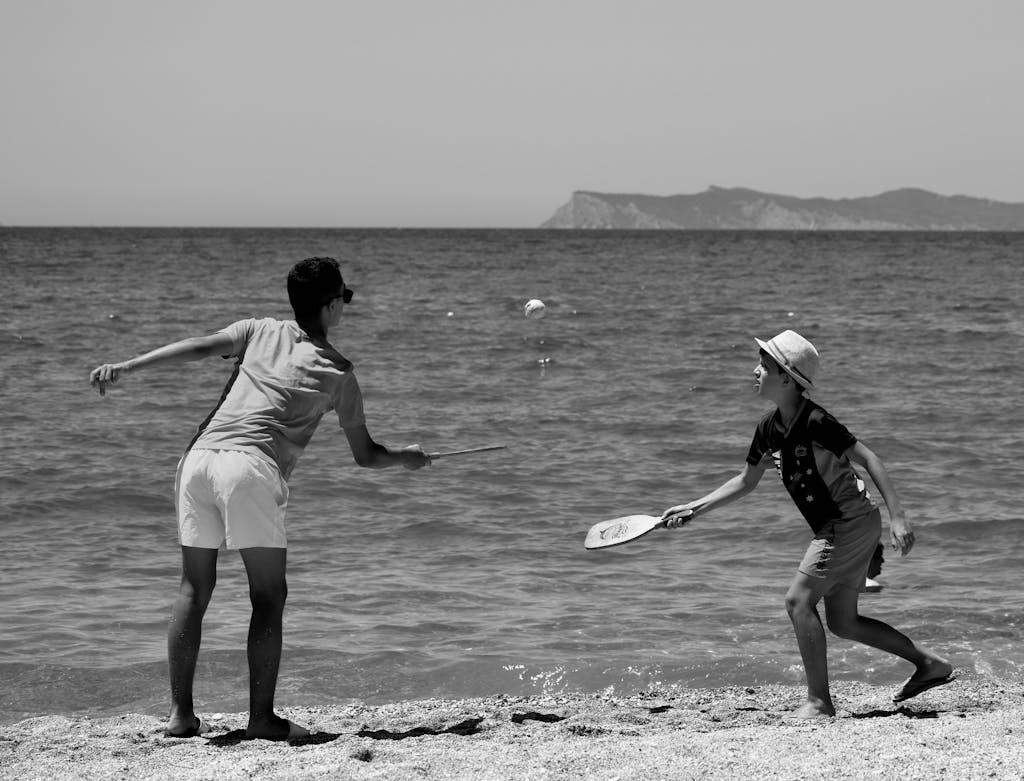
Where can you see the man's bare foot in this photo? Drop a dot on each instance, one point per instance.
(814, 709)
(184, 727)
(275, 728)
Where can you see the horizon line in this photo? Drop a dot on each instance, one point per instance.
(538, 228)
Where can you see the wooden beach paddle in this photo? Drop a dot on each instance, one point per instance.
(620, 530)
(467, 450)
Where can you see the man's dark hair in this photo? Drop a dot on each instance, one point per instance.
(311, 283)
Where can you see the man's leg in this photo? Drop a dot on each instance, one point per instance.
(268, 590)
(184, 633)
(801, 604)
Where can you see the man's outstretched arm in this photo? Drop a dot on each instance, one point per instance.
(191, 349)
(372, 454)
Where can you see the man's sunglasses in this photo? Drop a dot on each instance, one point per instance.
(345, 295)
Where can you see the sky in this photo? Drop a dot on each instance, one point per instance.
(488, 113)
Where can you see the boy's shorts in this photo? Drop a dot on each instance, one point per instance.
(230, 497)
(841, 551)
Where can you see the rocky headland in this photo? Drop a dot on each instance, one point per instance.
(720, 208)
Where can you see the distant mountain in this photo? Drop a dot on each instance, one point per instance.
(738, 208)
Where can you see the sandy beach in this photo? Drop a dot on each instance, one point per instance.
(972, 728)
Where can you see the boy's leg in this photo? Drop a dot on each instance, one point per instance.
(268, 591)
(801, 603)
(877, 560)
(845, 621)
(184, 633)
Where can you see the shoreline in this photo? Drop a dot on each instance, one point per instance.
(972, 728)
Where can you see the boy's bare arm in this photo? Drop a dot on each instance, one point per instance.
(731, 490)
(191, 349)
(899, 527)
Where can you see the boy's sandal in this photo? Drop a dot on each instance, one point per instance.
(912, 688)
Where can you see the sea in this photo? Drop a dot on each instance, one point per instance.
(469, 578)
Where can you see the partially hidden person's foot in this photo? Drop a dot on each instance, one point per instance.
(814, 709)
(179, 729)
(928, 676)
(872, 586)
(276, 729)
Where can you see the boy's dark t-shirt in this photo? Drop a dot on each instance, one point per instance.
(810, 459)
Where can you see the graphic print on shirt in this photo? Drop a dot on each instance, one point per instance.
(810, 458)
(805, 485)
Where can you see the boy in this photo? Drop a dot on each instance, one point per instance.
(812, 452)
(231, 486)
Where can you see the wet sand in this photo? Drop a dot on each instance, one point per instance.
(970, 729)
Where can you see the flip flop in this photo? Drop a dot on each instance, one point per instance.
(201, 728)
(912, 688)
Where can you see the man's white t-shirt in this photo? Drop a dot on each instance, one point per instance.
(282, 386)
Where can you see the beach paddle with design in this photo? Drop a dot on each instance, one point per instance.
(620, 530)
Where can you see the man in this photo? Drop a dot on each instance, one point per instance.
(231, 487)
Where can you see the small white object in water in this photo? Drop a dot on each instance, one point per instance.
(534, 309)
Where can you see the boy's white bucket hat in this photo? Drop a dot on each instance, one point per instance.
(794, 354)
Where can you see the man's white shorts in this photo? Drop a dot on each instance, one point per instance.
(232, 497)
